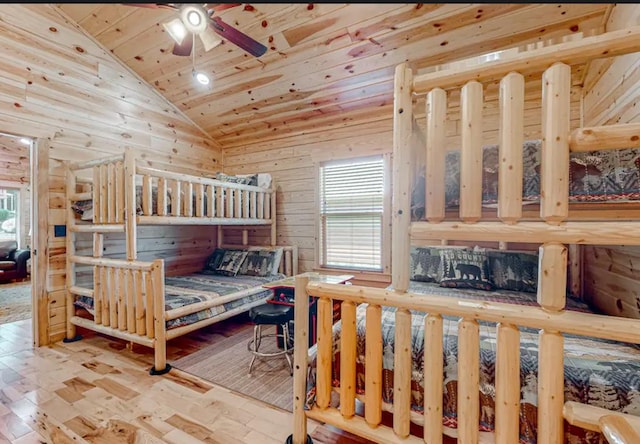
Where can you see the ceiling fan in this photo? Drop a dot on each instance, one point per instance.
(198, 19)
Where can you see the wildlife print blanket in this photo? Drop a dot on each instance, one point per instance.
(597, 372)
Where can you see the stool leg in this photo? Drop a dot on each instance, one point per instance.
(285, 340)
(256, 329)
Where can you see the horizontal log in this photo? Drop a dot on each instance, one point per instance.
(608, 137)
(99, 228)
(195, 179)
(358, 426)
(610, 44)
(594, 233)
(95, 162)
(80, 291)
(180, 220)
(588, 416)
(89, 324)
(616, 429)
(113, 263)
(584, 324)
(81, 196)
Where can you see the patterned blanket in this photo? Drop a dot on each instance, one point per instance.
(595, 176)
(597, 372)
(190, 289)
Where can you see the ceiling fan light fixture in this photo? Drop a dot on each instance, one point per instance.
(201, 77)
(194, 18)
(176, 29)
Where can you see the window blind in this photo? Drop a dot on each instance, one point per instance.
(351, 209)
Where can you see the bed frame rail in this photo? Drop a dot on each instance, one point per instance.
(551, 408)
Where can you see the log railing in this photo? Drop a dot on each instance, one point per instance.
(551, 323)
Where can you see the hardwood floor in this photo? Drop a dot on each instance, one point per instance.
(98, 390)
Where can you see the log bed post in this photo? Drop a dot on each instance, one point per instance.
(130, 204)
(70, 246)
(301, 315)
(158, 314)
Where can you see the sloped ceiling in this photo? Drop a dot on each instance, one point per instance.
(327, 64)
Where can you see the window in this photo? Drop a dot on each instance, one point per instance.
(352, 200)
(9, 214)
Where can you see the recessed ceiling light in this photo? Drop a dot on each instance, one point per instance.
(25, 141)
(201, 77)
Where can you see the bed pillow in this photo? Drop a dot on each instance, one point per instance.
(243, 179)
(465, 268)
(214, 260)
(514, 270)
(425, 264)
(231, 262)
(261, 262)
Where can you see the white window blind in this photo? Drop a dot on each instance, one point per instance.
(351, 209)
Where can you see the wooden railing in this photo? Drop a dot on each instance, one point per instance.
(508, 318)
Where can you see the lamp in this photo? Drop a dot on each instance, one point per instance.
(176, 29)
(194, 18)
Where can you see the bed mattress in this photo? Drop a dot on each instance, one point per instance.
(597, 372)
(181, 291)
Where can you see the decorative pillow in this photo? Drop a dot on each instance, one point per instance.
(425, 264)
(7, 247)
(231, 262)
(214, 260)
(261, 262)
(465, 268)
(514, 270)
(245, 179)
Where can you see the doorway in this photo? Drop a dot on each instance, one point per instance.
(15, 229)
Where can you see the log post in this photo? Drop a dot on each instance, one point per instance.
(468, 381)
(435, 155)
(70, 243)
(402, 374)
(301, 316)
(471, 152)
(433, 370)
(373, 366)
(510, 148)
(325, 345)
(348, 343)
(402, 134)
(554, 160)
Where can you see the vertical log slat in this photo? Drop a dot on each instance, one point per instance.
(435, 155)
(260, 205)
(433, 366)
(199, 191)
(238, 203)
(507, 408)
(325, 344)
(140, 309)
(471, 152)
(111, 189)
(211, 201)
(402, 373)
(162, 197)
(554, 158)
(252, 205)
(104, 190)
(120, 193)
(348, 360)
(97, 294)
(511, 139)
(131, 232)
(106, 289)
(219, 202)
(245, 203)
(147, 195)
(373, 366)
(97, 186)
(176, 201)
(122, 306)
(131, 304)
(188, 199)
(113, 297)
(149, 308)
(550, 388)
(468, 381)
(552, 276)
(230, 202)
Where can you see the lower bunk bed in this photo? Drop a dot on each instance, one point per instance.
(597, 372)
(136, 302)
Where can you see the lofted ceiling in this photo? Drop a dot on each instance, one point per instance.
(327, 65)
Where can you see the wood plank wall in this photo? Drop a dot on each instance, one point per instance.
(611, 94)
(57, 83)
(293, 160)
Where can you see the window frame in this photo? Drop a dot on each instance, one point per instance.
(385, 241)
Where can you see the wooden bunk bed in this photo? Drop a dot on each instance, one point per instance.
(127, 297)
(555, 227)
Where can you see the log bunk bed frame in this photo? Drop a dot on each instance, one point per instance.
(554, 228)
(129, 295)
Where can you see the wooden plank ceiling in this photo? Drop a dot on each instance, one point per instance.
(327, 65)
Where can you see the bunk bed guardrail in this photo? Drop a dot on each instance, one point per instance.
(552, 231)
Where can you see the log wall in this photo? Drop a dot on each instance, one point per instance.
(56, 83)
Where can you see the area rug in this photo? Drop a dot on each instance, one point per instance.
(15, 302)
(226, 363)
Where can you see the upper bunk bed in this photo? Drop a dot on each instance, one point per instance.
(123, 191)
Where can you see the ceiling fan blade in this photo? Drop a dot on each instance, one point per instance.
(238, 38)
(153, 5)
(184, 48)
(219, 7)
(209, 39)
